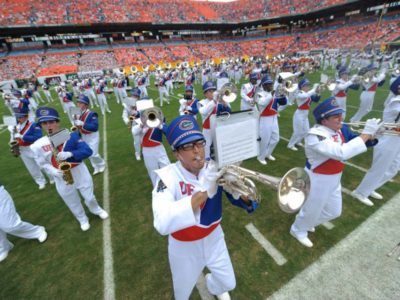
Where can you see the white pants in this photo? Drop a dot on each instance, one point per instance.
(103, 103)
(28, 158)
(48, 96)
(324, 203)
(301, 126)
(66, 107)
(385, 165)
(169, 86)
(92, 97)
(136, 141)
(92, 140)
(38, 97)
(117, 96)
(155, 158)
(269, 133)
(143, 91)
(188, 259)
(366, 103)
(122, 94)
(11, 223)
(69, 193)
(162, 90)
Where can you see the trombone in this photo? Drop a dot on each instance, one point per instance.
(390, 129)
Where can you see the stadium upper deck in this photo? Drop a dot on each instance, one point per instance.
(60, 12)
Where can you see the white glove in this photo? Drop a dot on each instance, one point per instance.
(11, 128)
(17, 135)
(55, 172)
(372, 126)
(64, 155)
(234, 194)
(208, 179)
(78, 123)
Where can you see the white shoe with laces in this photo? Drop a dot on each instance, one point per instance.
(361, 198)
(376, 195)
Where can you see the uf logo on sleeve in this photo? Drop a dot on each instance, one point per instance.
(186, 188)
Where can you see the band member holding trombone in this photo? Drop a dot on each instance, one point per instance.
(26, 133)
(326, 147)
(189, 105)
(187, 206)
(73, 151)
(11, 223)
(88, 126)
(386, 158)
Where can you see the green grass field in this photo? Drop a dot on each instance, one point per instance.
(69, 265)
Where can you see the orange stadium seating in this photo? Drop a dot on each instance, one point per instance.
(26, 12)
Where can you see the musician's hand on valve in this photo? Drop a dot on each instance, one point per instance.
(372, 126)
(64, 155)
(17, 135)
(78, 123)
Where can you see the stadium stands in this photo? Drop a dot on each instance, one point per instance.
(26, 12)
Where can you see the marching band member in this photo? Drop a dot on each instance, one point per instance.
(11, 223)
(101, 97)
(205, 75)
(88, 86)
(76, 87)
(393, 77)
(26, 133)
(141, 85)
(386, 157)
(237, 73)
(114, 83)
(36, 94)
(88, 126)
(74, 151)
(154, 154)
(17, 101)
(187, 206)
(326, 148)
(368, 94)
(121, 88)
(130, 116)
(247, 93)
(162, 90)
(168, 82)
(268, 104)
(28, 95)
(208, 107)
(67, 103)
(189, 104)
(46, 91)
(222, 79)
(342, 84)
(301, 125)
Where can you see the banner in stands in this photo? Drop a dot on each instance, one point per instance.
(21, 82)
(71, 76)
(83, 75)
(51, 80)
(7, 85)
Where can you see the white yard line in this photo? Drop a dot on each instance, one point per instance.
(352, 106)
(271, 250)
(109, 285)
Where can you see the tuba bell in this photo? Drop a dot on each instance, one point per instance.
(227, 93)
(134, 69)
(293, 188)
(185, 65)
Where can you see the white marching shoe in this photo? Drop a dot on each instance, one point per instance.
(311, 229)
(96, 171)
(271, 158)
(224, 296)
(3, 256)
(103, 215)
(137, 155)
(262, 161)
(376, 195)
(293, 148)
(361, 198)
(43, 236)
(85, 226)
(42, 186)
(305, 241)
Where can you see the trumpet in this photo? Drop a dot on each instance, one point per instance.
(293, 188)
(152, 117)
(390, 129)
(227, 93)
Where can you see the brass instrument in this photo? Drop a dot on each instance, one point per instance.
(168, 66)
(75, 114)
(185, 65)
(227, 93)
(152, 117)
(391, 129)
(130, 122)
(286, 86)
(14, 145)
(63, 166)
(293, 188)
(134, 69)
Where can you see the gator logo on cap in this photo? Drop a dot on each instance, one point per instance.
(334, 102)
(44, 112)
(186, 125)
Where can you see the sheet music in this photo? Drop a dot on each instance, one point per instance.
(59, 138)
(236, 137)
(9, 121)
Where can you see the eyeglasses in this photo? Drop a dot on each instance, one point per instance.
(190, 146)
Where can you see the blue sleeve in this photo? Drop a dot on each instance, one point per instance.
(91, 123)
(80, 150)
(349, 135)
(222, 109)
(381, 83)
(355, 86)
(281, 100)
(315, 98)
(240, 203)
(194, 106)
(34, 133)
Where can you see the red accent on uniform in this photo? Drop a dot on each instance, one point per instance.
(341, 94)
(305, 105)
(331, 166)
(147, 142)
(193, 233)
(251, 93)
(66, 100)
(98, 91)
(206, 123)
(54, 160)
(373, 88)
(25, 129)
(268, 111)
(83, 119)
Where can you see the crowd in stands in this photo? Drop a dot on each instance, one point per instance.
(354, 37)
(26, 12)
